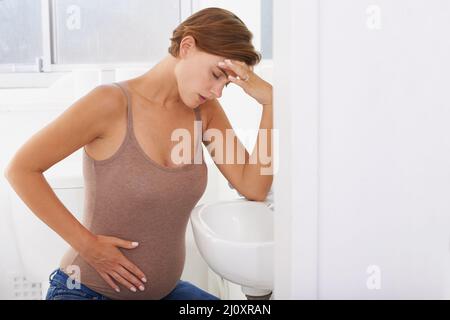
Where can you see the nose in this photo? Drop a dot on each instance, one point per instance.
(217, 91)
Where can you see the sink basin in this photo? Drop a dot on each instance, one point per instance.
(236, 240)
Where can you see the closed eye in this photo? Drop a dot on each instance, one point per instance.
(218, 77)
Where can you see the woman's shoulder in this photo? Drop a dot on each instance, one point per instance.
(111, 98)
(110, 104)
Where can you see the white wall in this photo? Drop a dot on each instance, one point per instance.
(366, 164)
(296, 118)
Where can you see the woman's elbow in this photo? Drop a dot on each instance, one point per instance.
(258, 193)
(256, 196)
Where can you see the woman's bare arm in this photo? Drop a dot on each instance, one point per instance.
(80, 124)
(86, 120)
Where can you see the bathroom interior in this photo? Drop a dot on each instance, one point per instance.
(359, 207)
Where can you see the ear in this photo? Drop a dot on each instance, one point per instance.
(187, 46)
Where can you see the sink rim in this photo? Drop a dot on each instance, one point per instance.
(196, 219)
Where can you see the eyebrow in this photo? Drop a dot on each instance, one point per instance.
(226, 75)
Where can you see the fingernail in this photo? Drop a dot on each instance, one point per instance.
(221, 64)
(135, 244)
(228, 61)
(141, 288)
(117, 289)
(144, 280)
(133, 289)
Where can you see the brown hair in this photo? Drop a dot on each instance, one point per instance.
(219, 32)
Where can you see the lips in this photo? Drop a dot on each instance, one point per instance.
(202, 98)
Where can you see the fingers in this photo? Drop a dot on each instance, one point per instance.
(125, 272)
(126, 263)
(135, 270)
(238, 69)
(241, 70)
(237, 81)
(243, 64)
(131, 279)
(109, 281)
(124, 243)
(119, 278)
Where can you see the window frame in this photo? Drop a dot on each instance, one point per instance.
(48, 16)
(44, 64)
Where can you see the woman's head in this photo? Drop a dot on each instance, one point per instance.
(199, 43)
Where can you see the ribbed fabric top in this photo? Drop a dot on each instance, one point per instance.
(132, 197)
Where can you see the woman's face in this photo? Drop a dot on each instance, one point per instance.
(199, 78)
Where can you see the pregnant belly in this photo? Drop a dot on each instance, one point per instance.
(162, 265)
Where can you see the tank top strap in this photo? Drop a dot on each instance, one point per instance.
(130, 114)
(198, 116)
(199, 132)
(198, 124)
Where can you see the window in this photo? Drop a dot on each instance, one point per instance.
(112, 31)
(64, 33)
(58, 35)
(267, 28)
(20, 33)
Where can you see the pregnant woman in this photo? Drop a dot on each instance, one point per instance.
(138, 194)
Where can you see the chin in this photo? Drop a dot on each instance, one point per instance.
(192, 105)
(194, 102)
(189, 101)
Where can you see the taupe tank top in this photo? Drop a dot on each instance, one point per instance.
(132, 197)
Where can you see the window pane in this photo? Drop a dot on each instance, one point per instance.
(266, 28)
(113, 31)
(20, 31)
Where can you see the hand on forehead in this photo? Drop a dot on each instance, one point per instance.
(234, 68)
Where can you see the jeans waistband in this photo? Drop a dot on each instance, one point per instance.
(58, 277)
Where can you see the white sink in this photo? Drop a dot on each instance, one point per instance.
(236, 240)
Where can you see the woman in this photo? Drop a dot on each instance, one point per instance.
(137, 198)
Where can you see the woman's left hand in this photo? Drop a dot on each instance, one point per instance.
(252, 84)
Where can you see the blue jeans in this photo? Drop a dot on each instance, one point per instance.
(58, 290)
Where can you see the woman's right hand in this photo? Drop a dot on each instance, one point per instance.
(105, 257)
